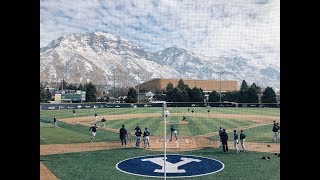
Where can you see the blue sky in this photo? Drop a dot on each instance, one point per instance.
(249, 28)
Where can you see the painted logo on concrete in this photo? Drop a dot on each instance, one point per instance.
(177, 166)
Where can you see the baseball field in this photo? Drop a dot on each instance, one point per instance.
(67, 153)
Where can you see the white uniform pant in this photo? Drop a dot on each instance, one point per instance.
(146, 141)
(275, 136)
(242, 141)
(235, 143)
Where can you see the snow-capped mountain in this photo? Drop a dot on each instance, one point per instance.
(99, 57)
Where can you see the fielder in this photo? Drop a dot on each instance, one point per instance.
(94, 130)
(138, 137)
(275, 131)
(242, 140)
(74, 112)
(55, 121)
(95, 117)
(235, 141)
(220, 137)
(173, 131)
(146, 138)
(103, 120)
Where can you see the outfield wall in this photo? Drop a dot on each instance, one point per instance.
(52, 106)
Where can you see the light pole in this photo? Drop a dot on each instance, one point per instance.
(220, 88)
(220, 73)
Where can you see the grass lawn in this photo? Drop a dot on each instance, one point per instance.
(101, 164)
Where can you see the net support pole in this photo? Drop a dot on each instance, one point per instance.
(165, 141)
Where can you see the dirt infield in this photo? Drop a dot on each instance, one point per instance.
(157, 143)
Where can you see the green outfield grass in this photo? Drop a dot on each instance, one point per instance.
(67, 113)
(101, 164)
(71, 133)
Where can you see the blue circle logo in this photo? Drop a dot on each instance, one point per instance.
(177, 166)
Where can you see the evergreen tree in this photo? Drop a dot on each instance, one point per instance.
(231, 96)
(269, 96)
(196, 95)
(252, 95)
(257, 88)
(169, 86)
(90, 92)
(185, 96)
(214, 97)
(181, 85)
(243, 93)
(132, 96)
(244, 86)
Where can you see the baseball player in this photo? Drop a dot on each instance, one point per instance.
(137, 127)
(138, 134)
(74, 112)
(275, 130)
(209, 112)
(224, 140)
(235, 141)
(103, 120)
(95, 117)
(173, 131)
(146, 138)
(94, 130)
(55, 121)
(242, 140)
(166, 113)
(220, 135)
(184, 118)
(123, 134)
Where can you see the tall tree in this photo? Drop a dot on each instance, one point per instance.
(196, 95)
(214, 97)
(243, 93)
(269, 96)
(256, 87)
(132, 96)
(90, 92)
(169, 86)
(185, 96)
(252, 95)
(244, 86)
(181, 85)
(231, 96)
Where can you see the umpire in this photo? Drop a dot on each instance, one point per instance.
(224, 140)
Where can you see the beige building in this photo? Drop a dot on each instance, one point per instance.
(205, 85)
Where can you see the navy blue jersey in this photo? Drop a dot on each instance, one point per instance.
(172, 129)
(123, 132)
(235, 136)
(138, 133)
(103, 120)
(93, 128)
(242, 136)
(146, 133)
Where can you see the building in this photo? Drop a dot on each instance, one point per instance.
(206, 85)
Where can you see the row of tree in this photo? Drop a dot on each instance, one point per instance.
(180, 93)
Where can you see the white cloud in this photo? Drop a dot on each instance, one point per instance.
(213, 28)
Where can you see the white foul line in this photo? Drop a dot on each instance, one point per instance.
(177, 143)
